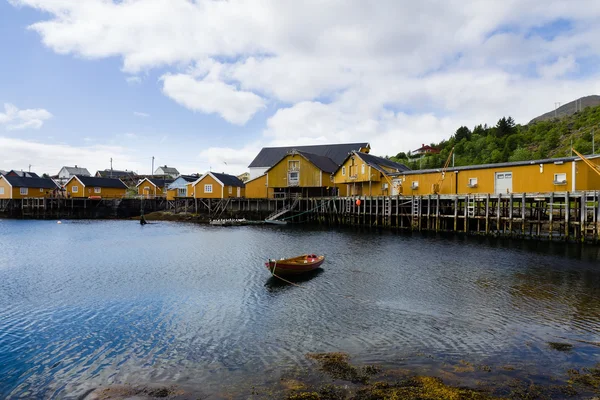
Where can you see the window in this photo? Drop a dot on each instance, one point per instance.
(415, 185)
(75, 189)
(362, 170)
(97, 190)
(208, 188)
(24, 191)
(508, 175)
(472, 182)
(560, 179)
(230, 189)
(1, 190)
(294, 165)
(41, 190)
(343, 171)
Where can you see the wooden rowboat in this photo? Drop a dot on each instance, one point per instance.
(296, 265)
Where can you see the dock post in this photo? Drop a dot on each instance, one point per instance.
(596, 216)
(523, 212)
(551, 216)
(498, 217)
(428, 212)
(510, 214)
(455, 213)
(583, 215)
(487, 214)
(466, 202)
(437, 213)
(567, 213)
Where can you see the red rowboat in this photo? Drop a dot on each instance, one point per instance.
(296, 265)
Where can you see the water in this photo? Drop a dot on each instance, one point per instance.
(84, 304)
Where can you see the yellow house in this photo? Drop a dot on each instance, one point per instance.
(257, 188)
(178, 188)
(213, 185)
(301, 174)
(92, 187)
(153, 187)
(363, 174)
(15, 187)
(548, 175)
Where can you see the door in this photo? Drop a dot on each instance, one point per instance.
(238, 192)
(396, 187)
(503, 182)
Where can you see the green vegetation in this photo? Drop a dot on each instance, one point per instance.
(507, 141)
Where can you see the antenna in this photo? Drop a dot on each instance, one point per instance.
(152, 165)
(29, 167)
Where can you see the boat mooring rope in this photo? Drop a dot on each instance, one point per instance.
(285, 280)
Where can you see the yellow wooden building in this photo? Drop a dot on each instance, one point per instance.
(153, 187)
(213, 185)
(15, 187)
(257, 188)
(301, 174)
(92, 187)
(548, 175)
(363, 174)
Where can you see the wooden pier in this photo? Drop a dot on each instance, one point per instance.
(567, 216)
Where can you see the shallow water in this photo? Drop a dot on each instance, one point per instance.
(84, 303)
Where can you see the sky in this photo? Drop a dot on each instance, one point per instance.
(204, 84)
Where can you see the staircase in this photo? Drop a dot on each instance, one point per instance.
(471, 206)
(282, 211)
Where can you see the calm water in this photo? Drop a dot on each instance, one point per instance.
(90, 303)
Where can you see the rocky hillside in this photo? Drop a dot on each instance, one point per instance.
(569, 108)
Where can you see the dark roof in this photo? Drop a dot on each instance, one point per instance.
(160, 182)
(378, 162)
(189, 178)
(22, 174)
(325, 164)
(269, 156)
(498, 165)
(115, 173)
(43, 183)
(101, 182)
(228, 180)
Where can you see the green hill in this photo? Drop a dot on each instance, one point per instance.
(507, 141)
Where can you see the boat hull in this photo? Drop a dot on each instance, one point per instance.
(281, 268)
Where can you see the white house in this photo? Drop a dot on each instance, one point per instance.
(168, 171)
(67, 173)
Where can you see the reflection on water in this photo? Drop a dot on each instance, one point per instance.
(89, 303)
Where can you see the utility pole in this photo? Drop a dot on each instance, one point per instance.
(571, 147)
(29, 167)
(111, 167)
(556, 105)
(453, 154)
(152, 165)
(593, 141)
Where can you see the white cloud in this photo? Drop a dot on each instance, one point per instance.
(15, 119)
(397, 75)
(133, 80)
(210, 96)
(141, 114)
(559, 68)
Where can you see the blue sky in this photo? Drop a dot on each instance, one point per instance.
(205, 85)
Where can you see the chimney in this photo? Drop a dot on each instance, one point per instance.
(75, 165)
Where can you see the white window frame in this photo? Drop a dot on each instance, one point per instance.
(293, 162)
(97, 190)
(472, 182)
(414, 185)
(344, 171)
(208, 188)
(230, 189)
(41, 190)
(558, 181)
(24, 191)
(75, 189)
(1, 190)
(362, 169)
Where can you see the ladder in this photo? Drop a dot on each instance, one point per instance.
(416, 207)
(471, 206)
(387, 206)
(348, 206)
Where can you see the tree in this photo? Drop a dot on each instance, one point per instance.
(520, 154)
(505, 127)
(462, 133)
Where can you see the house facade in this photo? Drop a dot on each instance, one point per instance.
(92, 187)
(301, 174)
(257, 188)
(67, 173)
(15, 187)
(153, 187)
(213, 185)
(269, 156)
(178, 188)
(548, 175)
(167, 171)
(363, 174)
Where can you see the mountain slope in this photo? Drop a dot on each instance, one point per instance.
(569, 108)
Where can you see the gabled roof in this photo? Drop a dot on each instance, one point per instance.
(188, 178)
(378, 162)
(22, 174)
(158, 182)
(269, 156)
(41, 183)
(325, 164)
(167, 170)
(76, 171)
(223, 179)
(114, 173)
(99, 182)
